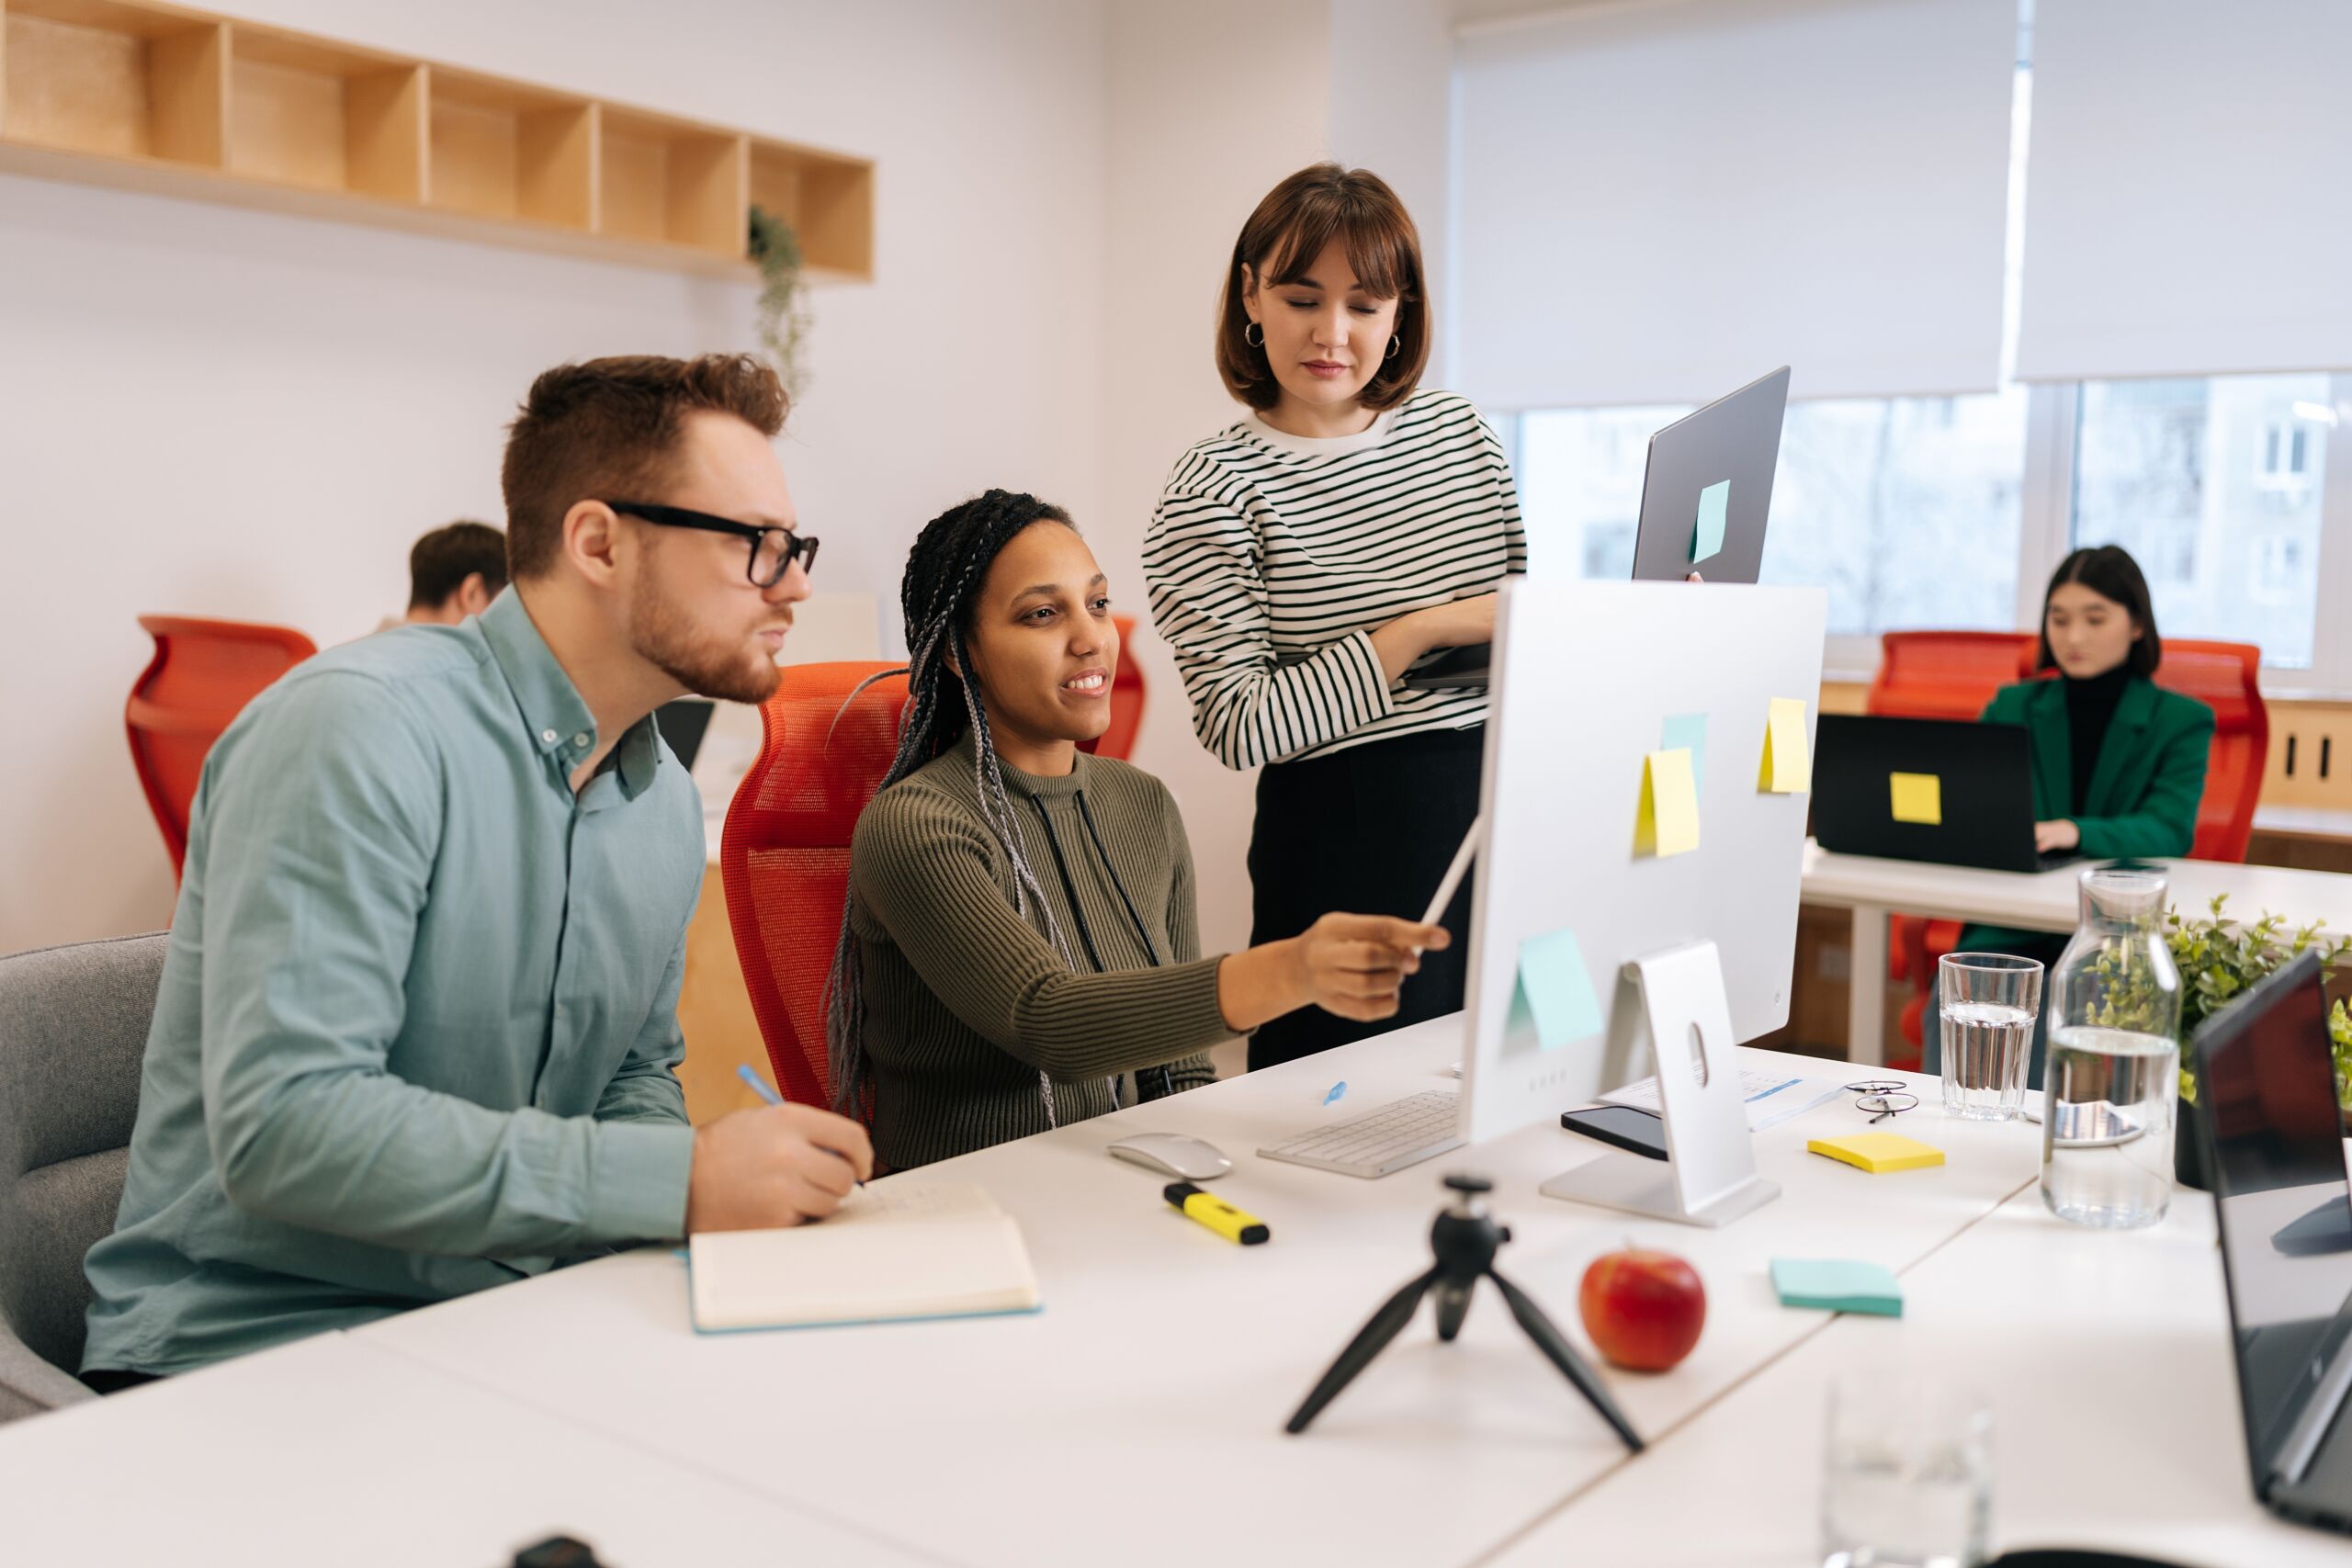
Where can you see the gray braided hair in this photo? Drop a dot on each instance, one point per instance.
(950, 560)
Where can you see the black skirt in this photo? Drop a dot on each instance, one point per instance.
(1365, 831)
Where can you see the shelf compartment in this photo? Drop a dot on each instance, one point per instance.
(326, 117)
(116, 80)
(827, 198)
(502, 150)
(671, 183)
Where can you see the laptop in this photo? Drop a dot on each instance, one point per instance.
(683, 724)
(1706, 492)
(1931, 789)
(2273, 1142)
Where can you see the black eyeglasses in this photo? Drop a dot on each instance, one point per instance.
(1883, 1098)
(773, 550)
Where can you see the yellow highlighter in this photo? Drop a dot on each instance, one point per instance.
(1217, 1214)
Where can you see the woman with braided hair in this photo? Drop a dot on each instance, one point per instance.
(1019, 928)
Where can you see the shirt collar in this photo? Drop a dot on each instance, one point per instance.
(553, 711)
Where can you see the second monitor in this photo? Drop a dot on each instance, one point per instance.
(1610, 904)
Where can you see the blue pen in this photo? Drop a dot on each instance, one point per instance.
(760, 1086)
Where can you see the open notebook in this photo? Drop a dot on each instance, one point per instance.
(890, 1254)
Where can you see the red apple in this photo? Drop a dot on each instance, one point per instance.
(1644, 1308)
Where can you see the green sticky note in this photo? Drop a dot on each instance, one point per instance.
(1707, 540)
(1557, 990)
(1835, 1285)
(1687, 732)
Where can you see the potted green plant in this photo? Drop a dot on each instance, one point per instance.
(784, 298)
(2219, 962)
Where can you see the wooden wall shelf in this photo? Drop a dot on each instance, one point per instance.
(155, 97)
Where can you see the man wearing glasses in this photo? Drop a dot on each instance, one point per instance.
(417, 1027)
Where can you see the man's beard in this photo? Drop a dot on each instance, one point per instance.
(667, 639)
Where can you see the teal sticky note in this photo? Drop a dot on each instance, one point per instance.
(1836, 1285)
(1557, 990)
(1687, 732)
(1707, 540)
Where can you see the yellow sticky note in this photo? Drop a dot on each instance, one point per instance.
(1879, 1153)
(1788, 756)
(1667, 820)
(1917, 798)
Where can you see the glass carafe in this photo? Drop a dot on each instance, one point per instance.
(2113, 1073)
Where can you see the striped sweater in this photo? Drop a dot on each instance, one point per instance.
(966, 1000)
(1272, 558)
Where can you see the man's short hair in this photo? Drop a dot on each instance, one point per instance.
(440, 562)
(609, 428)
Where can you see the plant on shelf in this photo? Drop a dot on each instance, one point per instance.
(784, 298)
(2219, 962)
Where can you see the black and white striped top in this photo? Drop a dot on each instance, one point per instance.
(1272, 558)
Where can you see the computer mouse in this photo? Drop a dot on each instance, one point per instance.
(1174, 1154)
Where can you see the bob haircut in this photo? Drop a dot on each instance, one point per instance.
(2109, 571)
(1281, 240)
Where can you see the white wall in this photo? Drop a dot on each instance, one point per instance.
(1212, 102)
(220, 413)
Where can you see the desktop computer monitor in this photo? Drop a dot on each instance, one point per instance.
(1592, 679)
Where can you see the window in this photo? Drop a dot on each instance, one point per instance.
(1905, 509)
(2214, 485)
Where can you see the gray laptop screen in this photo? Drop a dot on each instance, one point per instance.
(2267, 1094)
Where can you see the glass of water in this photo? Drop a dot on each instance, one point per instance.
(1907, 1473)
(1988, 1001)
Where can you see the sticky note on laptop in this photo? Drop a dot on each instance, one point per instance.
(1916, 797)
(1714, 510)
(1557, 990)
(1835, 1285)
(1666, 821)
(1788, 753)
(1879, 1153)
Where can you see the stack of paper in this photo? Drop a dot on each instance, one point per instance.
(892, 1254)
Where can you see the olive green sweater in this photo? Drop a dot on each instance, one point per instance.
(966, 1000)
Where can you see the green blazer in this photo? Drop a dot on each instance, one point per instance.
(2150, 773)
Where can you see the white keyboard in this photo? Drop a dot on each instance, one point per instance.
(1413, 1129)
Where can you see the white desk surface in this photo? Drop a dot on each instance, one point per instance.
(2104, 1355)
(329, 1451)
(1145, 1405)
(2050, 900)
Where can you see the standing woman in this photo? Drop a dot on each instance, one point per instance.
(1303, 559)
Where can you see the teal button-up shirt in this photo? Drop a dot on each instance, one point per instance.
(418, 1019)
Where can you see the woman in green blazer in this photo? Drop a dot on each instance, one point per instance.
(2119, 763)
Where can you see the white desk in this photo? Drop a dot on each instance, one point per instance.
(2044, 901)
(1145, 1405)
(329, 1451)
(2105, 1357)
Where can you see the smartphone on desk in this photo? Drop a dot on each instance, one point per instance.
(1628, 1127)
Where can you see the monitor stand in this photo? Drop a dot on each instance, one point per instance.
(1709, 1177)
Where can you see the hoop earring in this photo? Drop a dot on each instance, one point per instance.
(1395, 342)
(1258, 341)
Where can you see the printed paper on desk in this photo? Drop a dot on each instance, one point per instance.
(1666, 821)
(1916, 797)
(1788, 756)
(1714, 506)
(1557, 990)
(1687, 732)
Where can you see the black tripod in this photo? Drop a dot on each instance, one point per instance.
(1464, 1239)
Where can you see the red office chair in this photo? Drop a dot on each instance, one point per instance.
(2225, 677)
(203, 674)
(784, 855)
(1938, 675)
(1126, 701)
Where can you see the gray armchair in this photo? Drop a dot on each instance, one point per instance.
(72, 1035)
